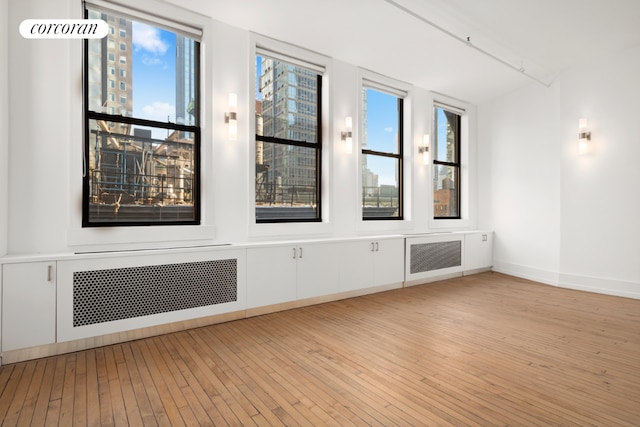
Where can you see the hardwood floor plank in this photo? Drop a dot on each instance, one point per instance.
(480, 350)
(19, 395)
(138, 389)
(39, 415)
(28, 406)
(92, 398)
(129, 398)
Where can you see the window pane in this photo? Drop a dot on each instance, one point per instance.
(447, 129)
(445, 191)
(286, 182)
(380, 121)
(287, 100)
(380, 186)
(157, 70)
(140, 174)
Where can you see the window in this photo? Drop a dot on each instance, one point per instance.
(446, 164)
(288, 141)
(141, 167)
(381, 162)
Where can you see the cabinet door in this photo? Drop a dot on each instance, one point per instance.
(318, 270)
(356, 265)
(478, 252)
(28, 305)
(271, 275)
(388, 262)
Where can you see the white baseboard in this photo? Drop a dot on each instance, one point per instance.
(599, 285)
(526, 272)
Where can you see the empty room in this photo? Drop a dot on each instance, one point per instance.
(361, 212)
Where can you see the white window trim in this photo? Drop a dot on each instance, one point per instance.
(111, 238)
(303, 57)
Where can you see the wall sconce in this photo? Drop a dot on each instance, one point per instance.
(584, 136)
(424, 149)
(231, 118)
(347, 136)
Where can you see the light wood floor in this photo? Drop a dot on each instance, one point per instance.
(483, 350)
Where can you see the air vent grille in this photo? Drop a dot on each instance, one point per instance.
(106, 295)
(435, 256)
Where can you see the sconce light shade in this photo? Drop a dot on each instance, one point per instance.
(231, 118)
(584, 136)
(347, 135)
(424, 149)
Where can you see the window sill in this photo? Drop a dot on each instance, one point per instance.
(139, 237)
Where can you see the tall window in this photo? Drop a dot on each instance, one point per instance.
(142, 153)
(381, 155)
(288, 141)
(446, 164)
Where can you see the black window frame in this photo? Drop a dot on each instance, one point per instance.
(456, 164)
(89, 115)
(398, 156)
(317, 145)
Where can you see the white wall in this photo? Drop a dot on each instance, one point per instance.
(559, 217)
(45, 153)
(4, 125)
(519, 176)
(601, 191)
(40, 95)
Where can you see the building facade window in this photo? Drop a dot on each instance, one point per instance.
(288, 141)
(381, 160)
(446, 164)
(141, 166)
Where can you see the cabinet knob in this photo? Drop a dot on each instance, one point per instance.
(49, 272)
(295, 253)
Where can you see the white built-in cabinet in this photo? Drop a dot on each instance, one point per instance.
(371, 263)
(478, 251)
(289, 272)
(284, 273)
(28, 304)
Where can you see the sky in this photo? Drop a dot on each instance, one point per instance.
(154, 73)
(382, 134)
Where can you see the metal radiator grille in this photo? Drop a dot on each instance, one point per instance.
(106, 295)
(435, 256)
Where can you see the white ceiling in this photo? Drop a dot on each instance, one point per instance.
(392, 38)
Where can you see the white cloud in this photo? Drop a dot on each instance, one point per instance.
(148, 38)
(159, 111)
(148, 60)
(388, 129)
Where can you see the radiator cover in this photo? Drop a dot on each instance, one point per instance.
(101, 296)
(435, 256)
